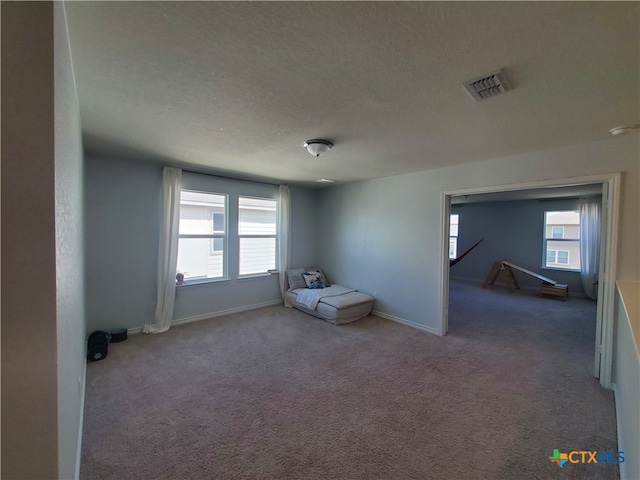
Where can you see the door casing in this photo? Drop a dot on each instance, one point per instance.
(608, 257)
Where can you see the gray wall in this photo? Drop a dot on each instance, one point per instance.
(372, 239)
(626, 376)
(69, 253)
(384, 235)
(512, 231)
(122, 222)
(304, 225)
(42, 267)
(123, 200)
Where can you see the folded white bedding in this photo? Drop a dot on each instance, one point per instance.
(349, 300)
(309, 298)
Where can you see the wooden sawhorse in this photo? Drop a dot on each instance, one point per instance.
(549, 286)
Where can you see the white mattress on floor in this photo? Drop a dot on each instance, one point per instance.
(338, 309)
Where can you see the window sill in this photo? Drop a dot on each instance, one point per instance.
(257, 275)
(560, 269)
(191, 283)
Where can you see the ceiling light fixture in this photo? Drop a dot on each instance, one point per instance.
(623, 130)
(325, 180)
(317, 146)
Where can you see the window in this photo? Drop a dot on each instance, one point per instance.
(558, 256)
(202, 235)
(562, 257)
(562, 240)
(453, 235)
(217, 244)
(557, 232)
(257, 235)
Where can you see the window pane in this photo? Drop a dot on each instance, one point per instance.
(564, 224)
(218, 222)
(257, 255)
(201, 213)
(257, 216)
(217, 244)
(453, 225)
(562, 239)
(197, 260)
(563, 254)
(453, 247)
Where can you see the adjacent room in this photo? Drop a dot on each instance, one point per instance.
(526, 284)
(550, 241)
(320, 240)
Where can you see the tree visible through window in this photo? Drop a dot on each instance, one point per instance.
(562, 240)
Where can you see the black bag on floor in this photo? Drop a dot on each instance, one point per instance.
(97, 346)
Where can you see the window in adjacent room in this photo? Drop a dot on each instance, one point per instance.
(257, 235)
(562, 240)
(453, 236)
(202, 235)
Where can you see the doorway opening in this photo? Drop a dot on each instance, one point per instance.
(609, 186)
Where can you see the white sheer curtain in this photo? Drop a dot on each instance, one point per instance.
(168, 251)
(284, 234)
(590, 244)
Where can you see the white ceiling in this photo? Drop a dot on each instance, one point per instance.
(239, 86)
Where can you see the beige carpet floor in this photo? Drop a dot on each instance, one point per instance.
(277, 394)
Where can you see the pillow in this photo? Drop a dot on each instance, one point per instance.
(324, 278)
(313, 279)
(294, 276)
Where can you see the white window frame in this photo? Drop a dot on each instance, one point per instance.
(212, 236)
(453, 239)
(274, 236)
(545, 242)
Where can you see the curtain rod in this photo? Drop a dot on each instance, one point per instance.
(228, 177)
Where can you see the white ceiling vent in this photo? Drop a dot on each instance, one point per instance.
(488, 86)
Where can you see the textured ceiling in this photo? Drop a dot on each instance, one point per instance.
(239, 86)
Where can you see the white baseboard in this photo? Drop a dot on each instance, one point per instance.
(409, 323)
(81, 423)
(622, 466)
(197, 318)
